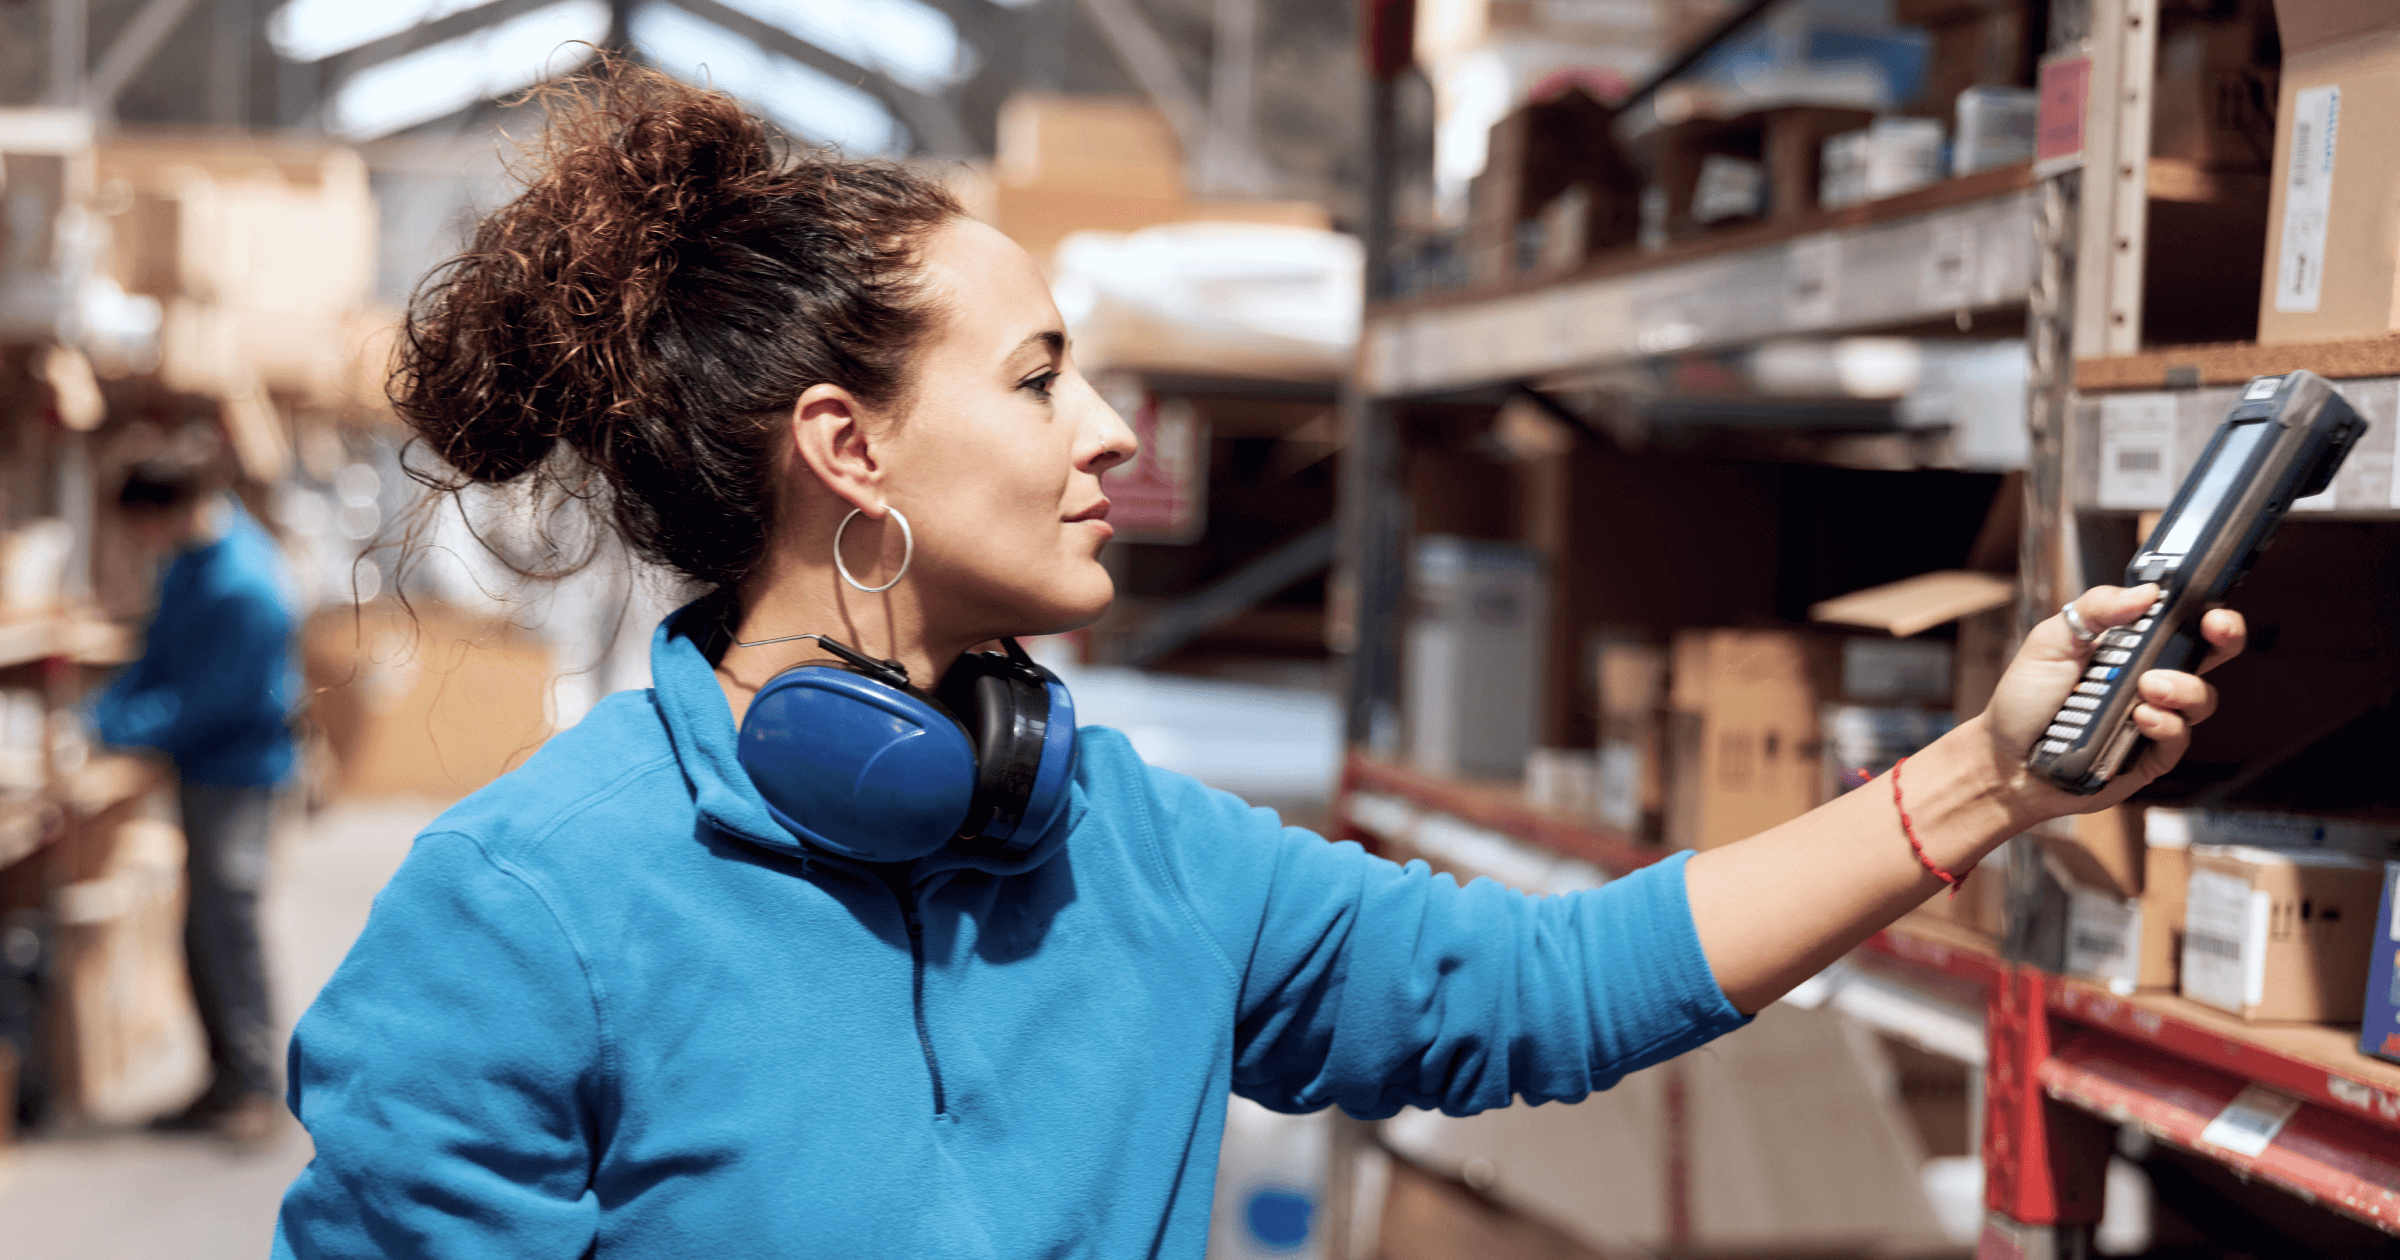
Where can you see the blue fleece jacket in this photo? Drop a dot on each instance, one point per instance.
(607, 1006)
(214, 687)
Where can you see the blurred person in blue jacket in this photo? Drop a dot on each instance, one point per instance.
(839, 939)
(213, 691)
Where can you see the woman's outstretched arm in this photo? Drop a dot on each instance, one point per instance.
(1780, 906)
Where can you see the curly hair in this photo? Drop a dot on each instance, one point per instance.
(629, 330)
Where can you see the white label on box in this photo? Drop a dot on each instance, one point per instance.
(2250, 1121)
(2104, 934)
(2137, 450)
(2307, 198)
(1812, 274)
(2217, 944)
(1620, 787)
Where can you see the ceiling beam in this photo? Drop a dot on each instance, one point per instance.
(931, 119)
(136, 44)
(1146, 56)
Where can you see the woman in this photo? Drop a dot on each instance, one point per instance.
(614, 1003)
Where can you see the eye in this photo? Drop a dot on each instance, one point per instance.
(1039, 382)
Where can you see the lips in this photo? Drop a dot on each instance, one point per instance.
(1095, 516)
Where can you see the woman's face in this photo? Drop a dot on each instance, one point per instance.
(997, 453)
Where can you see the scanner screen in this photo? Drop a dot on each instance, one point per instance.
(2231, 456)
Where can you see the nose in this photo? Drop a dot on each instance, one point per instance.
(1110, 441)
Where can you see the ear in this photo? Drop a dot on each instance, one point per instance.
(832, 437)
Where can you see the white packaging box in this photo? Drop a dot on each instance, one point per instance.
(1474, 656)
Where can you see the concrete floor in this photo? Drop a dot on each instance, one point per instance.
(104, 1195)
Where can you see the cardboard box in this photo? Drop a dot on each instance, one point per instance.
(1473, 655)
(2277, 935)
(2332, 256)
(1631, 793)
(127, 1041)
(1745, 733)
(2379, 1024)
(2166, 869)
(1555, 163)
(2213, 101)
(2100, 850)
(427, 700)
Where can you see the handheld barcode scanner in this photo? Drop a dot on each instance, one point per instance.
(2283, 441)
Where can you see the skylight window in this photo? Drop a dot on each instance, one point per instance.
(906, 39)
(800, 99)
(312, 30)
(493, 62)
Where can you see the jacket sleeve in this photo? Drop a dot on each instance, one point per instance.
(1376, 986)
(451, 1075)
(223, 682)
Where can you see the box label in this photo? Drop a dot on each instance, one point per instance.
(2224, 941)
(2307, 198)
(2104, 935)
(2137, 451)
(2250, 1121)
(2065, 84)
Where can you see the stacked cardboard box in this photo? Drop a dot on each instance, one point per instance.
(2331, 256)
(1071, 163)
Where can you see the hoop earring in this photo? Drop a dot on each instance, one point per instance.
(908, 552)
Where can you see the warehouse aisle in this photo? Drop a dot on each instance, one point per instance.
(107, 1195)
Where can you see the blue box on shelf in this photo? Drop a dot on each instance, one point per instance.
(2379, 1029)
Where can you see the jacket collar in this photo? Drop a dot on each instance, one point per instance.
(700, 727)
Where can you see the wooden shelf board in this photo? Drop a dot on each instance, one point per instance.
(1502, 808)
(80, 637)
(2231, 363)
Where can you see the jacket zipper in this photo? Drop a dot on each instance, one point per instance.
(916, 958)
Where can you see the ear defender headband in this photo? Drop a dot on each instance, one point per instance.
(853, 759)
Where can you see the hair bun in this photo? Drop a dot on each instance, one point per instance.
(667, 281)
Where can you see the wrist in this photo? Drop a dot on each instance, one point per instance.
(1965, 798)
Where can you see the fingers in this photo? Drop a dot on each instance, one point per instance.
(2173, 703)
(2101, 608)
(2227, 633)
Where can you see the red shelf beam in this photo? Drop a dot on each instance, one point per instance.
(2334, 1159)
(2211, 1049)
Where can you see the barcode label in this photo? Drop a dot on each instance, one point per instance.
(2307, 198)
(2104, 938)
(2224, 941)
(2250, 1121)
(2214, 946)
(2137, 451)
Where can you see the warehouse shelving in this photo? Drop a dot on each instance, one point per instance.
(2060, 256)
(1940, 255)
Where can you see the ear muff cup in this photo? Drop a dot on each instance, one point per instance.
(856, 766)
(874, 770)
(1024, 727)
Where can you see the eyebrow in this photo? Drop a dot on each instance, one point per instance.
(1049, 339)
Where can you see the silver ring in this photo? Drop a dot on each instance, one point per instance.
(908, 551)
(2084, 634)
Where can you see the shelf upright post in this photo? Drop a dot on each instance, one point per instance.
(1370, 576)
(2045, 1163)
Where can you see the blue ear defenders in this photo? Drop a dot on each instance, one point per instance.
(856, 761)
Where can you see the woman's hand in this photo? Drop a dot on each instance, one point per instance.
(2049, 665)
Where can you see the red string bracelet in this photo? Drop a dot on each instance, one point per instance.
(1909, 829)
